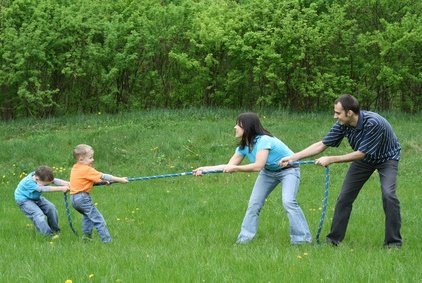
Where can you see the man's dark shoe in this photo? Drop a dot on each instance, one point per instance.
(393, 246)
(332, 242)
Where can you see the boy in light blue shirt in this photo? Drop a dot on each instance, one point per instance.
(38, 209)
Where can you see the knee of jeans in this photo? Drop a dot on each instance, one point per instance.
(290, 204)
(343, 200)
(51, 209)
(254, 207)
(389, 198)
(38, 217)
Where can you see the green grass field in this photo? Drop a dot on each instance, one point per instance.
(183, 229)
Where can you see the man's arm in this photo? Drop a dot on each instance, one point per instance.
(327, 160)
(311, 150)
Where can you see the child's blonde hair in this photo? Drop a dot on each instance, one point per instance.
(81, 150)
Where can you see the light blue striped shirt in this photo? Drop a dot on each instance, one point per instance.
(373, 136)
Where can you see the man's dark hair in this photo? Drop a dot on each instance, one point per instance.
(349, 102)
(44, 173)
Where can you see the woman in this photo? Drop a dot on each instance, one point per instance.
(264, 153)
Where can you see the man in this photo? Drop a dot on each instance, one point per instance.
(375, 147)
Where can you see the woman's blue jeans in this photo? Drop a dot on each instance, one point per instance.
(92, 217)
(265, 183)
(43, 214)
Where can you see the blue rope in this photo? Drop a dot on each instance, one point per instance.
(324, 203)
(302, 162)
(133, 179)
(325, 200)
(160, 176)
(69, 218)
(171, 175)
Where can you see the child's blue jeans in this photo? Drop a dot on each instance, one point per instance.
(92, 217)
(43, 214)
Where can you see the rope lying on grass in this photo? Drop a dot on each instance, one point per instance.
(69, 218)
(325, 199)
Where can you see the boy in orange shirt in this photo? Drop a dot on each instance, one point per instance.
(82, 178)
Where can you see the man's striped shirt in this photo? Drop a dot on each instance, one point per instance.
(373, 136)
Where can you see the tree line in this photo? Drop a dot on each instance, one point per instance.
(78, 56)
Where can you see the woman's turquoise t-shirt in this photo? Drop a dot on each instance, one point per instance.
(277, 150)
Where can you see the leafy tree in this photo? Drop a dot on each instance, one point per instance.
(61, 56)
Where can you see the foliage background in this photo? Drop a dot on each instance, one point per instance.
(79, 56)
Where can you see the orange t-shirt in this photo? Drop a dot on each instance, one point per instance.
(82, 178)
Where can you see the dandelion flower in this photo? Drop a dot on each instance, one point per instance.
(68, 281)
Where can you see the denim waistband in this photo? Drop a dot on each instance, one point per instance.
(282, 168)
(79, 193)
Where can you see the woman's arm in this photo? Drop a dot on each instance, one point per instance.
(234, 160)
(260, 161)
